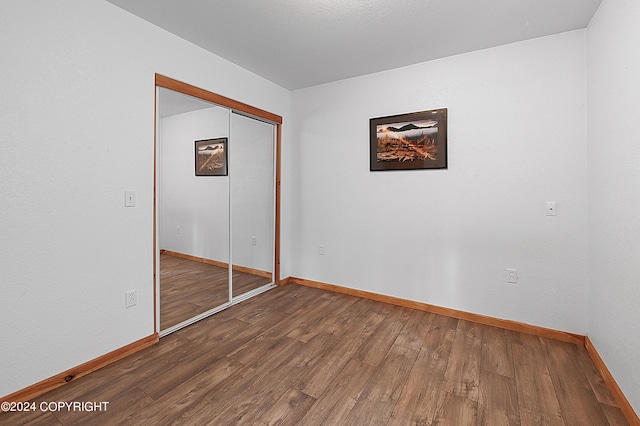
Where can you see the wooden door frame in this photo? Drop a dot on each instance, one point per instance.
(233, 105)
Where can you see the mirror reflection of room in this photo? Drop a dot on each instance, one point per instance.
(197, 208)
(252, 202)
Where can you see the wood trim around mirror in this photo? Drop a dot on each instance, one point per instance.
(196, 92)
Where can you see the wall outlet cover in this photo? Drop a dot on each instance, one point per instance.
(130, 298)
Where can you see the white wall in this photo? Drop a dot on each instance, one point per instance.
(517, 131)
(197, 205)
(614, 190)
(76, 130)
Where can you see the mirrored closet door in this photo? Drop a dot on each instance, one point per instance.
(215, 212)
(251, 162)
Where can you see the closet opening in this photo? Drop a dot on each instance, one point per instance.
(217, 203)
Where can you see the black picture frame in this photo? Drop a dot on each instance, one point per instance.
(211, 157)
(412, 141)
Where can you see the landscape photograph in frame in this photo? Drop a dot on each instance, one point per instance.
(211, 157)
(412, 141)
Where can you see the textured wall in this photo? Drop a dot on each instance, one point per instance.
(614, 191)
(76, 130)
(517, 132)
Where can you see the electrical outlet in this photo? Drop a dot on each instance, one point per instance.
(321, 249)
(130, 298)
(253, 240)
(512, 276)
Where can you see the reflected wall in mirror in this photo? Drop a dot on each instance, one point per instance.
(193, 211)
(252, 165)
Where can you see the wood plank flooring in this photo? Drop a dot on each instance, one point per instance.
(303, 356)
(189, 288)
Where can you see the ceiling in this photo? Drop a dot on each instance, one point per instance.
(301, 43)
(172, 103)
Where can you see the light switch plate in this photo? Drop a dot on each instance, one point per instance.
(129, 198)
(552, 209)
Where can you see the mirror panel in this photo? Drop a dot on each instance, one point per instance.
(193, 211)
(251, 173)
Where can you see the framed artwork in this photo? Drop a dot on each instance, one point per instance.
(416, 140)
(211, 157)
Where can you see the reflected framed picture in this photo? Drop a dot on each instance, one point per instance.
(412, 141)
(211, 157)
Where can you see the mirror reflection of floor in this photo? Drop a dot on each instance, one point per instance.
(189, 288)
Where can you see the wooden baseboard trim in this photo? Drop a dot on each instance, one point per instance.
(72, 374)
(615, 390)
(252, 271)
(285, 281)
(195, 258)
(245, 269)
(454, 313)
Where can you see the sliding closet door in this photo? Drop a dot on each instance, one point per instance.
(193, 207)
(252, 183)
(216, 239)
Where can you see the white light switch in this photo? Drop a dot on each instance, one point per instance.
(129, 198)
(551, 208)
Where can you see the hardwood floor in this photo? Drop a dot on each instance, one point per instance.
(303, 356)
(189, 288)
